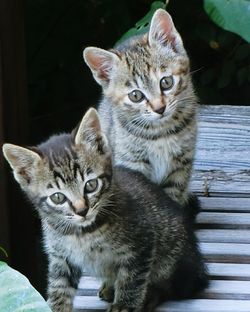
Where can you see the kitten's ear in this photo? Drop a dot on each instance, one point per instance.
(101, 62)
(89, 131)
(23, 161)
(162, 31)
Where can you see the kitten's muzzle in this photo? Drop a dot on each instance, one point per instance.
(80, 207)
(160, 110)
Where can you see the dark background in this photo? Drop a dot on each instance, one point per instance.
(45, 87)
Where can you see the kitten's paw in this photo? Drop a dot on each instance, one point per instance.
(106, 293)
(119, 308)
(60, 307)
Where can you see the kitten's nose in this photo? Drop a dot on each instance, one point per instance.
(82, 212)
(160, 110)
(80, 207)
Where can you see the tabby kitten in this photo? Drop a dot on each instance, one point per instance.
(148, 109)
(111, 222)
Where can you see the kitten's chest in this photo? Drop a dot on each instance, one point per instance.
(160, 156)
(91, 251)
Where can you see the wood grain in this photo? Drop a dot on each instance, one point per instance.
(223, 236)
(93, 304)
(222, 166)
(224, 220)
(229, 271)
(225, 204)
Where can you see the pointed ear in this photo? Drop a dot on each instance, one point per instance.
(101, 62)
(22, 160)
(162, 31)
(90, 132)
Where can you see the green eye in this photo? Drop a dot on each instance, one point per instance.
(136, 96)
(58, 198)
(166, 83)
(91, 186)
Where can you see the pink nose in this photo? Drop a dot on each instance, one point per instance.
(160, 110)
(80, 207)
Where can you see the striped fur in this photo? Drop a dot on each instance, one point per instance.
(133, 235)
(161, 146)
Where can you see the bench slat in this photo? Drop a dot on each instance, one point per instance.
(93, 304)
(222, 166)
(224, 220)
(223, 289)
(229, 271)
(221, 204)
(226, 252)
(223, 236)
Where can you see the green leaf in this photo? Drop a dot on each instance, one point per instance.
(16, 293)
(231, 15)
(4, 251)
(142, 26)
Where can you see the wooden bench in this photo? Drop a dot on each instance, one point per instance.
(222, 181)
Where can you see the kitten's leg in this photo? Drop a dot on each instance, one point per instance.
(131, 287)
(63, 279)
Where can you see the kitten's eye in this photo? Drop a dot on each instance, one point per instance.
(58, 198)
(166, 83)
(136, 96)
(91, 186)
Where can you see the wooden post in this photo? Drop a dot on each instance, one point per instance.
(16, 220)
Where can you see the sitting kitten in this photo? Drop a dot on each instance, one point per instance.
(112, 222)
(148, 110)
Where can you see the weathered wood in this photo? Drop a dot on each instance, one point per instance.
(224, 252)
(224, 220)
(221, 204)
(224, 236)
(229, 271)
(93, 304)
(222, 166)
(226, 290)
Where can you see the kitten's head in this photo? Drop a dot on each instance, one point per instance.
(147, 77)
(69, 176)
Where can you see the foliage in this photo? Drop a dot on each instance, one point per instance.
(16, 293)
(3, 251)
(142, 25)
(232, 15)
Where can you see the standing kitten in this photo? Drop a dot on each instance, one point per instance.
(114, 223)
(148, 109)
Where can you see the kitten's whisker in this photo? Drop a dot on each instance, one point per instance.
(196, 70)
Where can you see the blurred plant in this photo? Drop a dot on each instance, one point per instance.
(232, 15)
(142, 25)
(4, 251)
(17, 294)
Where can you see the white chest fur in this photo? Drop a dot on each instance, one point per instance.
(160, 153)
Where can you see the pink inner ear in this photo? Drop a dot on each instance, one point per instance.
(165, 23)
(162, 28)
(101, 64)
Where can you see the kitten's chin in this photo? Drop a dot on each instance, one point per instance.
(155, 119)
(83, 221)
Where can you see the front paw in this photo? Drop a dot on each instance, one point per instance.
(106, 293)
(60, 306)
(120, 308)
